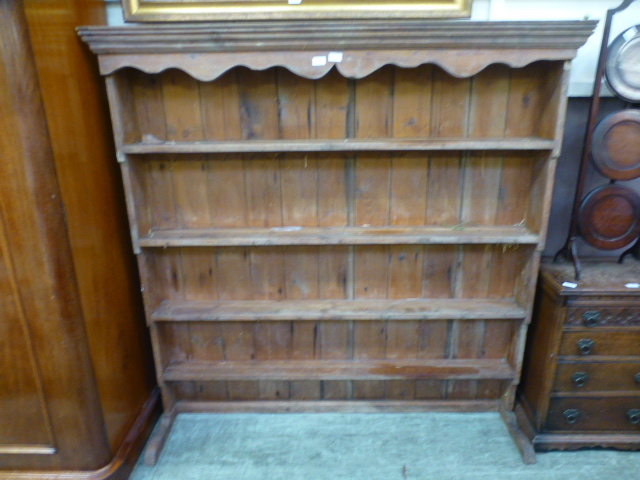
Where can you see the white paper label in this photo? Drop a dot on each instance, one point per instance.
(335, 57)
(632, 285)
(569, 285)
(319, 61)
(294, 2)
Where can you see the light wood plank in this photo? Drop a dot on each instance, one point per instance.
(409, 179)
(337, 370)
(227, 196)
(516, 234)
(412, 102)
(267, 274)
(181, 95)
(299, 187)
(372, 189)
(451, 143)
(263, 190)
(374, 118)
(220, 107)
(258, 104)
(315, 310)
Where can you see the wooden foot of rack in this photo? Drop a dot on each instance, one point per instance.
(523, 443)
(156, 442)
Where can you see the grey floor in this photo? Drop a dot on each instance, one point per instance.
(442, 446)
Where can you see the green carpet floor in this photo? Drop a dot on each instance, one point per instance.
(388, 446)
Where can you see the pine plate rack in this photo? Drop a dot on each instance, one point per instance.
(342, 216)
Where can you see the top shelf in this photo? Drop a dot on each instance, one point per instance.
(345, 145)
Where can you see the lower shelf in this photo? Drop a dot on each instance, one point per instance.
(340, 370)
(339, 406)
(409, 309)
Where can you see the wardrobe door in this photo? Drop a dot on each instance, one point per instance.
(48, 394)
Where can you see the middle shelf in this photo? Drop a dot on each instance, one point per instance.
(155, 145)
(315, 310)
(294, 235)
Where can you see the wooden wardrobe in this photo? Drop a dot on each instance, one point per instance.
(77, 394)
(341, 216)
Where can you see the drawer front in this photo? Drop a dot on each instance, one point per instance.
(598, 377)
(594, 316)
(593, 342)
(594, 414)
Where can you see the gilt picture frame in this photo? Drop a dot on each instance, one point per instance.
(212, 10)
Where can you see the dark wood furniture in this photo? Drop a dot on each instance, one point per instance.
(77, 397)
(323, 221)
(581, 379)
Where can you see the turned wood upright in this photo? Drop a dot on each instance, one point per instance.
(338, 215)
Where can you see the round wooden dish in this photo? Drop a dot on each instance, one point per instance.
(609, 217)
(622, 69)
(615, 148)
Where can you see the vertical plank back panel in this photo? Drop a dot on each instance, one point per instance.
(258, 104)
(409, 178)
(227, 195)
(181, 94)
(234, 273)
(332, 191)
(148, 105)
(412, 102)
(332, 106)
(220, 107)
(263, 189)
(526, 100)
(372, 184)
(374, 104)
(267, 274)
(299, 186)
(199, 273)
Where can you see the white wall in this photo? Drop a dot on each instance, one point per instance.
(584, 66)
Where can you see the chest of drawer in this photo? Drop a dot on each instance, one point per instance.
(601, 342)
(597, 377)
(605, 414)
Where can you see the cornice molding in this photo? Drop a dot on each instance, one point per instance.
(206, 51)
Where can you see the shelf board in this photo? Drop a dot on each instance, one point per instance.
(345, 145)
(247, 237)
(317, 310)
(446, 369)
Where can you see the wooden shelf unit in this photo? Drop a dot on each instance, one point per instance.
(365, 232)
